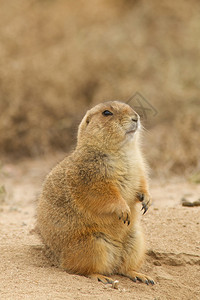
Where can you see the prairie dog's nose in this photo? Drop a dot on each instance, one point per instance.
(135, 118)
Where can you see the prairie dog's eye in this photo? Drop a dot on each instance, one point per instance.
(107, 113)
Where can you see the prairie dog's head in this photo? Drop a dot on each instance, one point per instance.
(109, 125)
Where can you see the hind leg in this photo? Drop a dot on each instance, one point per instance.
(93, 258)
(134, 257)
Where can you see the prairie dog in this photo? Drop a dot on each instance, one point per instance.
(88, 210)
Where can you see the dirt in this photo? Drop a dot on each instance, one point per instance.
(172, 234)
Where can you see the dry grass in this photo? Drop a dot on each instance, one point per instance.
(59, 58)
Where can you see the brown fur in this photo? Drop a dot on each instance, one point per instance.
(89, 199)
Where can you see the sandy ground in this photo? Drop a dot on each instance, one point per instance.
(172, 234)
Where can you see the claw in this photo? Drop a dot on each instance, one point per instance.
(127, 220)
(145, 210)
(134, 279)
(124, 216)
(145, 207)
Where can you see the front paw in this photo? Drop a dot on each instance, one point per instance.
(145, 199)
(124, 214)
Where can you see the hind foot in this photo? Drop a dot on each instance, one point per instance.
(105, 280)
(140, 277)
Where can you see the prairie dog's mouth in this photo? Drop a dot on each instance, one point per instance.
(133, 128)
(131, 131)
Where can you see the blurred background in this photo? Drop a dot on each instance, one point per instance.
(58, 58)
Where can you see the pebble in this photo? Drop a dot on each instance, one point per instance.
(188, 203)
